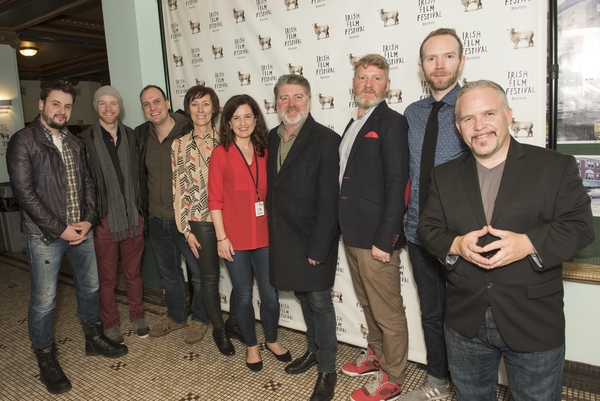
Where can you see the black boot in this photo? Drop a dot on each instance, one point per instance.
(51, 373)
(223, 342)
(233, 331)
(96, 343)
(325, 387)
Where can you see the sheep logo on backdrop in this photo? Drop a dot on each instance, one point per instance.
(200, 82)
(289, 3)
(295, 69)
(353, 59)
(388, 16)
(195, 27)
(217, 51)
(521, 36)
(270, 107)
(264, 41)
(394, 94)
(172, 5)
(178, 60)
(325, 101)
(321, 30)
(517, 126)
(244, 78)
(467, 3)
(238, 15)
(337, 296)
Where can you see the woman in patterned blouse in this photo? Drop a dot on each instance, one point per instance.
(190, 156)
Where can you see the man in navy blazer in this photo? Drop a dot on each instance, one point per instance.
(373, 179)
(502, 219)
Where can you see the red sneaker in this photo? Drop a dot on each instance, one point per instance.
(379, 389)
(366, 364)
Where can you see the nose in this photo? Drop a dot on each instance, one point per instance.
(478, 123)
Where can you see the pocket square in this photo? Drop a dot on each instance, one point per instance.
(372, 134)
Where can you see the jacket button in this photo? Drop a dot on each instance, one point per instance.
(490, 285)
(274, 216)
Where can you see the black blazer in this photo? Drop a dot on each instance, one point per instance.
(372, 195)
(540, 195)
(302, 209)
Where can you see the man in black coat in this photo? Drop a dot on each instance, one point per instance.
(374, 166)
(302, 173)
(502, 218)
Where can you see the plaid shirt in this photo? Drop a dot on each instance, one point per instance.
(73, 213)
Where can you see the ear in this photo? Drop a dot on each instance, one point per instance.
(421, 68)
(41, 105)
(509, 115)
(168, 104)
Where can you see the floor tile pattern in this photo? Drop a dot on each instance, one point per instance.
(164, 368)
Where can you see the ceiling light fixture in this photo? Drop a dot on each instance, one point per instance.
(28, 51)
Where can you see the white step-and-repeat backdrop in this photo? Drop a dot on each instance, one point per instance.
(243, 46)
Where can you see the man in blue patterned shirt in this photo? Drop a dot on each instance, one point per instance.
(442, 60)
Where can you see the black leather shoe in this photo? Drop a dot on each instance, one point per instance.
(233, 331)
(302, 364)
(287, 357)
(325, 387)
(51, 373)
(223, 343)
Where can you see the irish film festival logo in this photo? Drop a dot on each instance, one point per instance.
(268, 76)
(239, 48)
(473, 44)
(354, 25)
(427, 12)
(214, 21)
(324, 67)
(262, 10)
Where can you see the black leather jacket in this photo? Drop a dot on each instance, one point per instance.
(37, 178)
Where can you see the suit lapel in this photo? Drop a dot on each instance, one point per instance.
(299, 143)
(273, 153)
(512, 169)
(379, 110)
(470, 180)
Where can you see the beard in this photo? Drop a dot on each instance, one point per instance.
(367, 104)
(302, 116)
(444, 83)
(53, 124)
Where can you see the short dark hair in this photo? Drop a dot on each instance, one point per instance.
(162, 92)
(375, 60)
(292, 79)
(440, 32)
(261, 132)
(62, 86)
(196, 92)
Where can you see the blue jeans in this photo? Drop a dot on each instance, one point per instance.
(431, 287)
(246, 265)
(474, 366)
(168, 245)
(319, 316)
(44, 264)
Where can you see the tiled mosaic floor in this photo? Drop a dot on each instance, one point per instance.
(163, 368)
